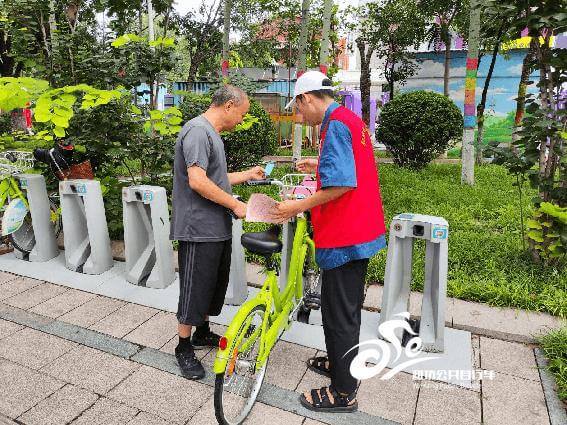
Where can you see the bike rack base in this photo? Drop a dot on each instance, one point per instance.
(148, 250)
(237, 290)
(45, 247)
(397, 279)
(87, 244)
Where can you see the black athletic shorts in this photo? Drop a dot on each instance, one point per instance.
(204, 268)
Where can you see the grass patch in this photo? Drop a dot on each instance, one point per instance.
(486, 260)
(315, 152)
(304, 152)
(554, 346)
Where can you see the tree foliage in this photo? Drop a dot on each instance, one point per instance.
(538, 153)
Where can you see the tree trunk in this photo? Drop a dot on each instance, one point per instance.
(467, 168)
(52, 36)
(298, 134)
(447, 65)
(365, 81)
(225, 38)
(522, 89)
(482, 105)
(391, 82)
(324, 53)
(151, 33)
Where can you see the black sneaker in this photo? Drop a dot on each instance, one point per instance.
(191, 367)
(207, 340)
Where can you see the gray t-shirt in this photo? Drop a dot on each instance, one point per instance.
(195, 218)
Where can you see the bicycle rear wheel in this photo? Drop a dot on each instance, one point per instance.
(237, 388)
(23, 239)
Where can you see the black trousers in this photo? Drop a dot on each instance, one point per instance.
(342, 295)
(204, 269)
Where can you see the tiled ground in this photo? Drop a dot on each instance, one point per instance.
(45, 379)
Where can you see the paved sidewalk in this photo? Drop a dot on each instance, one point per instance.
(503, 323)
(68, 356)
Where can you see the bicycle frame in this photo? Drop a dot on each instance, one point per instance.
(276, 319)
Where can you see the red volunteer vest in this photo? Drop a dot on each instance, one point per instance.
(357, 216)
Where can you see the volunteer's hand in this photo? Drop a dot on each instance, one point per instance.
(256, 173)
(240, 209)
(307, 165)
(285, 210)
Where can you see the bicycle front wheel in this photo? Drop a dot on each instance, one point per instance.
(237, 388)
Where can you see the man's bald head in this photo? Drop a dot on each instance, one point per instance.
(228, 107)
(227, 93)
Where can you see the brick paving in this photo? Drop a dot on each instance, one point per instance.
(48, 379)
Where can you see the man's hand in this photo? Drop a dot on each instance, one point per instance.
(256, 173)
(307, 165)
(239, 209)
(287, 209)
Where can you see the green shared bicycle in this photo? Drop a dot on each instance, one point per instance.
(242, 357)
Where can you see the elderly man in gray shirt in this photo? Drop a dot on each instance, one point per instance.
(202, 198)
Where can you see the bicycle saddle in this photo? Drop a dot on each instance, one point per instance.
(262, 242)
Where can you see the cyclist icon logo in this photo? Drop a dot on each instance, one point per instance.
(380, 352)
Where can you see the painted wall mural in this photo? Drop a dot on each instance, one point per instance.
(501, 95)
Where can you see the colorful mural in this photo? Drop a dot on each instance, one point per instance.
(503, 85)
(501, 95)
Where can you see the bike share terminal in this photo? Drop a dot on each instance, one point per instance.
(404, 229)
(148, 250)
(87, 244)
(42, 238)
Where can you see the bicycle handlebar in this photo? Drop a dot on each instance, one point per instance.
(265, 182)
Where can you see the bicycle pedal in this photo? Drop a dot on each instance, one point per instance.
(303, 315)
(312, 301)
(250, 331)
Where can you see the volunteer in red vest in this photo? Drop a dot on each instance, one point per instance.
(348, 227)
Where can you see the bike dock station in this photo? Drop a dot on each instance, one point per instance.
(237, 290)
(44, 242)
(87, 244)
(397, 280)
(148, 250)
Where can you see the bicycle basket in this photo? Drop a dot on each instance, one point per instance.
(298, 186)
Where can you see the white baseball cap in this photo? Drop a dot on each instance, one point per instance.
(310, 81)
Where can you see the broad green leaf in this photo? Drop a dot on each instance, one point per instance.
(173, 110)
(42, 115)
(155, 114)
(59, 132)
(60, 121)
(535, 235)
(533, 224)
(554, 211)
(136, 110)
(160, 127)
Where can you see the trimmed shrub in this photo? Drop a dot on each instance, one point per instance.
(419, 126)
(244, 148)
